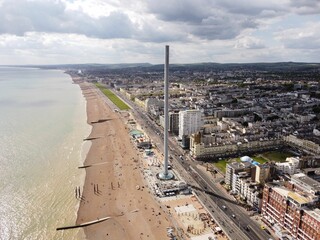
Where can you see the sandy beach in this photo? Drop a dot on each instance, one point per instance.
(110, 188)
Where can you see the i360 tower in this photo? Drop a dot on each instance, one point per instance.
(166, 175)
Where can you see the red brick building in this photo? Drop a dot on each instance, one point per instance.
(291, 211)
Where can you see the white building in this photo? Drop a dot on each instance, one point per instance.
(249, 191)
(235, 171)
(190, 122)
(238, 177)
(291, 166)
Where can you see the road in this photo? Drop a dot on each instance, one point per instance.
(215, 200)
(241, 219)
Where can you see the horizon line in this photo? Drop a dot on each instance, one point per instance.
(154, 64)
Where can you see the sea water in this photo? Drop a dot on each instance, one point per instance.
(42, 126)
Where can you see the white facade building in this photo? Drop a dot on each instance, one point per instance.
(291, 166)
(249, 190)
(238, 177)
(190, 122)
(235, 171)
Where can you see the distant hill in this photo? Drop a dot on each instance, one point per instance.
(203, 67)
(92, 66)
(273, 67)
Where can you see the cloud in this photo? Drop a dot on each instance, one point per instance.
(52, 16)
(158, 32)
(180, 10)
(156, 21)
(249, 42)
(305, 6)
(204, 19)
(305, 37)
(253, 8)
(106, 31)
(24, 16)
(59, 17)
(221, 27)
(196, 11)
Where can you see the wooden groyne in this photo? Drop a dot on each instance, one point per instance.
(101, 120)
(84, 224)
(90, 138)
(85, 166)
(94, 164)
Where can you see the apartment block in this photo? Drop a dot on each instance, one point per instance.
(262, 173)
(292, 208)
(174, 123)
(291, 166)
(250, 191)
(190, 121)
(236, 171)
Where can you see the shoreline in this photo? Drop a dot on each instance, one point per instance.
(109, 188)
(85, 148)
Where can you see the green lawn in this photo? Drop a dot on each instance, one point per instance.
(277, 156)
(114, 98)
(260, 158)
(221, 164)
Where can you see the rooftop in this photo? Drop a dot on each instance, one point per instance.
(298, 198)
(281, 190)
(301, 178)
(136, 132)
(239, 165)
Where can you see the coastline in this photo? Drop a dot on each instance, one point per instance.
(83, 155)
(109, 188)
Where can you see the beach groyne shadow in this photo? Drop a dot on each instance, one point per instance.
(101, 120)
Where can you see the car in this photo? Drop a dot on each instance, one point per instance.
(224, 207)
(234, 216)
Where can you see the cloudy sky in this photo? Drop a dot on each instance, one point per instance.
(127, 31)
